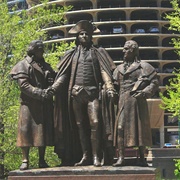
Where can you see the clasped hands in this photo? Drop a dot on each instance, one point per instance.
(48, 93)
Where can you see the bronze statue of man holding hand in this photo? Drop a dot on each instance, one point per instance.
(35, 126)
(82, 73)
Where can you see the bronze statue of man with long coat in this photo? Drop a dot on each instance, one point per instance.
(82, 73)
(35, 125)
(137, 81)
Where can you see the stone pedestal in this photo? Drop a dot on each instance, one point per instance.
(163, 159)
(87, 173)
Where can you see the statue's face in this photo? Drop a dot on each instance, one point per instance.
(84, 38)
(39, 49)
(128, 52)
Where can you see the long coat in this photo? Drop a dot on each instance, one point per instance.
(35, 125)
(66, 138)
(133, 115)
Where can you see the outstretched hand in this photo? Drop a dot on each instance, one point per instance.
(48, 93)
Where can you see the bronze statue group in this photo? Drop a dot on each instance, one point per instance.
(90, 108)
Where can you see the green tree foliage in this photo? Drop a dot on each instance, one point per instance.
(171, 102)
(17, 30)
(174, 19)
(177, 168)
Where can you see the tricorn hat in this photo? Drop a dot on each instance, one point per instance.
(84, 25)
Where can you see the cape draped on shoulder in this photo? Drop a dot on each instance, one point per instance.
(67, 144)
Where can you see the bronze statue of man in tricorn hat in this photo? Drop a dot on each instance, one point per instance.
(82, 73)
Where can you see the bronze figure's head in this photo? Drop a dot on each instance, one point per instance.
(36, 46)
(83, 28)
(131, 51)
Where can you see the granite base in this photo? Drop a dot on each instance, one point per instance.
(87, 173)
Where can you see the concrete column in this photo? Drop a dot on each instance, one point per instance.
(128, 28)
(160, 54)
(127, 3)
(128, 13)
(158, 3)
(94, 16)
(161, 131)
(94, 3)
(160, 40)
(159, 15)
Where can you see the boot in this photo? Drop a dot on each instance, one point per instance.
(85, 161)
(110, 153)
(96, 161)
(142, 162)
(120, 161)
(24, 165)
(25, 161)
(42, 162)
(85, 144)
(95, 148)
